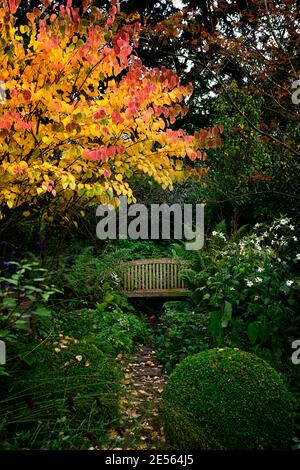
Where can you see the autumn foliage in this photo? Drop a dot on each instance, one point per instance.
(82, 115)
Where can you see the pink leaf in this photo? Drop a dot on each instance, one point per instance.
(91, 154)
(12, 6)
(106, 173)
(100, 114)
(116, 118)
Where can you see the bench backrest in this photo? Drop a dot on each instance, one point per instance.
(157, 276)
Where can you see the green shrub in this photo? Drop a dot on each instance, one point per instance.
(119, 332)
(25, 290)
(66, 399)
(113, 330)
(128, 249)
(250, 290)
(182, 332)
(89, 276)
(226, 399)
(249, 179)
(78, 323)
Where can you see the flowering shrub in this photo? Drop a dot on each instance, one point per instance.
(250, 289)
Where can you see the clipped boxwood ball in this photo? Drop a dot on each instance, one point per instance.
(226, 399)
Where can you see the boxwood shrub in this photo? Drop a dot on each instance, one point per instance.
(226, 399)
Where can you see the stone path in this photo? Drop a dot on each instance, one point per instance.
(140, 427)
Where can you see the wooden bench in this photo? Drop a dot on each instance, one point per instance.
(154, 278)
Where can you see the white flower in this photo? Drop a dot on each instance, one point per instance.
(295, 239)
(289, 283)
(284, 221)
(231, 288)
(242, 247)
(292, 227)
(298, 256)
(221, 235)
(218, 234)
(256, 297)
(249, 283)
(283, 243)
(258, 279)
(260, 270)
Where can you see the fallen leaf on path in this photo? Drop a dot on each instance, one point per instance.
(133, 414)
(146, 426)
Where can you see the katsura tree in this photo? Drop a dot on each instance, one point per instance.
(82, 117)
